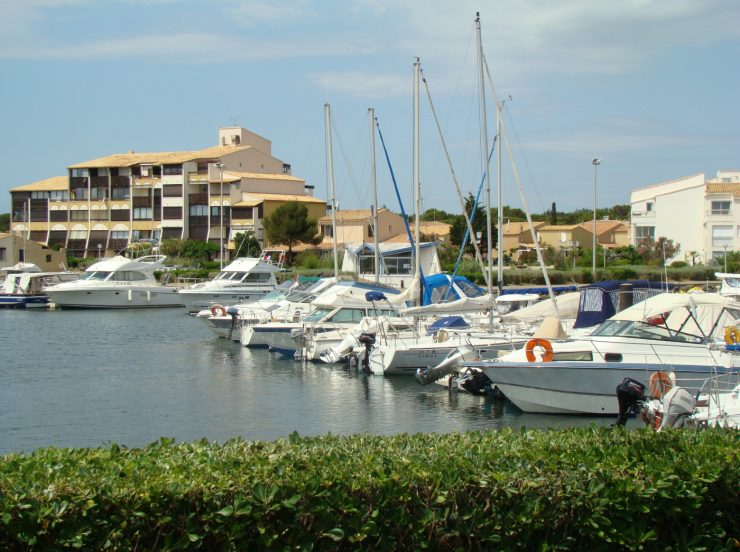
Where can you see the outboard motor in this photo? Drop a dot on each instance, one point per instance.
(368, 340)
(234, 313)
(629, 393)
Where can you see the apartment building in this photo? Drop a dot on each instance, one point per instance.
(104, 204)
(701, 214)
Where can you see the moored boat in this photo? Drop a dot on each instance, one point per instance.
(117, 283)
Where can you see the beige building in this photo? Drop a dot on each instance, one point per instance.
(356, 226)
(104, 204)
(16, 249)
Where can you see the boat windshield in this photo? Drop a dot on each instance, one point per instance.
(317, 315)
(646, 330)
(96, 275)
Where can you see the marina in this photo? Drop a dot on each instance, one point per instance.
(78, 378)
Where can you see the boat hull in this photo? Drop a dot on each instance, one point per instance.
(197, 300)
(559, 388)
(18, 301)
(116, 298)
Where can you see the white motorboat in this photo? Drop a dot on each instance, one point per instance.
(289, 301)
(24, 285)
(681, 333)
(342, 305)
(117, 283)
(244, 280)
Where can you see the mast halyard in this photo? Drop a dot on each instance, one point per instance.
(484, 159)
(374, 182)
(330, 176)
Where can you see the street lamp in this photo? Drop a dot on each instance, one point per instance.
(725, 248)
(595, 162)
(221, 217)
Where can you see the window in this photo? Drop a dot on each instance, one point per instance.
(199, 210)
(214, 212)
(348, 315)
(61, 195)
(649, 206)
(2, 253)
(172, 169)
(721, 207)
(80, 194)
(172, 213)
(119, 235)
(78, 235)
(326, 230)
(142, 213)
(721, 236)
(21, 255)
(80, 173)
(645, 233)
(119, 193)
(78, 215)
(39, 195)
(99, 214)
(172, 190)
(98, 193)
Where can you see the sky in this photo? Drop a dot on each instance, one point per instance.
(648, 86)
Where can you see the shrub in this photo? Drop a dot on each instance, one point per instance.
(679, 264)
(587, 488)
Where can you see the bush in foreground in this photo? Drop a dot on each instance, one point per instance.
(594, 489)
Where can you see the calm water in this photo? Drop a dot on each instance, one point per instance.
(87, 378)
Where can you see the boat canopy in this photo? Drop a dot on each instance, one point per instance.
(456, 322)
(600, 301)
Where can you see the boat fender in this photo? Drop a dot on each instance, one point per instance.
(544, 344)
(218, 310)
(659, 383)
(732, 335)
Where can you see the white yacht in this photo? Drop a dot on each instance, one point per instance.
(117, 283)
(690, 335)
(244, 280)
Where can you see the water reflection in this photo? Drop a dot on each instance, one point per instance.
(79, 378)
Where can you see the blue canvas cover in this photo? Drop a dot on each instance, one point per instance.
(600, 301)
(448, 322)
(438, 288)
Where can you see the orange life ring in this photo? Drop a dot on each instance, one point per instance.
(218, 310)
(546, 346)
(732, 335)
(659, 383)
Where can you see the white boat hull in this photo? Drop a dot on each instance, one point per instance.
(555, 388)
(116, 298)
(197, 300)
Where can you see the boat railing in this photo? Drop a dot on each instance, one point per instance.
(186, 280)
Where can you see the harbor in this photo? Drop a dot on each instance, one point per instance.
(87, 378)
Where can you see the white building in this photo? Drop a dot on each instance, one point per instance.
(700, 214)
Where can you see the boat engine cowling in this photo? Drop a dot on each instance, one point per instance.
(630, 392)
(368, 340)
(677, 405)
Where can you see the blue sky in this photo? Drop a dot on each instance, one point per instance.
(649, 86)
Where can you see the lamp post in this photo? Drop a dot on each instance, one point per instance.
(595, 162)
(725, 248)
(221, 219)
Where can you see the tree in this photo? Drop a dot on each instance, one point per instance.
(4, 222)
(459, 226)
(289, 225)
(246, 244)
(198, 250)
(656, 252)
(436, 215)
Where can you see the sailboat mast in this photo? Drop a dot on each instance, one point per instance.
(373, 179)
(484, 150)
(417, 178)
(500, 218)
(330, 176)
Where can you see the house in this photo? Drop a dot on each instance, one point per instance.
(701, 215)
(356, 226)
(397, 263)
(104, 204)
(15, 248)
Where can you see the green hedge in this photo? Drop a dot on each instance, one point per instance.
(589, 488)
